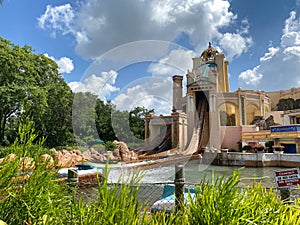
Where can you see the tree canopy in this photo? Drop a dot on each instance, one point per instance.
(93, 119)
(31, 87)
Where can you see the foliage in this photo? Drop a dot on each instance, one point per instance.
(56, 122)
(110, 146)
(114, 204)
(42, 199)
(103, 121)
(135, 145)
(100, 148)
(256, 119)
(136, 121)
(297, 104)
(31, 86)
(221, 201)
(246, 147)
(83, 117)
(269, 145)
(129, 126)
(93, 119)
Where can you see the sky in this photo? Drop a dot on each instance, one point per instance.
(128, 51)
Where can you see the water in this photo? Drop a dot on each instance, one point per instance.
(154, 178)
(194, 172)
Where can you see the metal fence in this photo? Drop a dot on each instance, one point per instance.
(165, 196)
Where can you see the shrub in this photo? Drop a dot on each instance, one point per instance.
(269, 145)
(246, 147)
(100, 148)
(110, 146)
(41, 199)
(221, 201)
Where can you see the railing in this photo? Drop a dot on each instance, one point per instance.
(163, 196)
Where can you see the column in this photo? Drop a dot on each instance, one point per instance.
(177, 92)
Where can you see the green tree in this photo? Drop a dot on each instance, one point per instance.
(56, 122)
(30, 86)
(136, 121)
(93, 119)
(103, 120)
(83, 117)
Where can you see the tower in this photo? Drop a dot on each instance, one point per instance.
(205, 83)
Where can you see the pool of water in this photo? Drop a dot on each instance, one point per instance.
(155, 177)
(194, 171)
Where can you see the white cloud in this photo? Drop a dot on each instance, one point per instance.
(99, 26)
(176, 63)
(269, 55)
(251, 77)
(58, 19)
(235, 44)
(291, 53)
(291, 35)
(65, 64)
(279, 68)
(150, 92)
(156, 92)
(101, 86)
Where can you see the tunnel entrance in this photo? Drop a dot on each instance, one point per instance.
(202, 119)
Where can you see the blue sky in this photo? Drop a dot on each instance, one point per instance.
(127, 51)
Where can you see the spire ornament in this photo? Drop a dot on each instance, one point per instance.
(209, 53)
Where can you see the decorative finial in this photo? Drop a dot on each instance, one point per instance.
(210, 53)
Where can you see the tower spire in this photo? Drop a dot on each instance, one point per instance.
(209, 53)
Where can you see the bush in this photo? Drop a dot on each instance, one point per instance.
(269, 145)
(110, 146)
(246, 147)
(100, 148)
(4, 151)
(42, 199)
(135, 145)
(223, 202)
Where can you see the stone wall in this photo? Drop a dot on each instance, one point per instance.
(252, 159)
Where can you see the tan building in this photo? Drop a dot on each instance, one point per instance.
(286, 134)
(209, 116)
(275, 96)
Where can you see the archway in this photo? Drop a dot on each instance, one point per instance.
(229, 115)
(252, 111)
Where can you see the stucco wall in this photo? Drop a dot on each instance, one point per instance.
(277, 115)
(230, 137)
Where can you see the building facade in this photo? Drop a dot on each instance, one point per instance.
(208, 116)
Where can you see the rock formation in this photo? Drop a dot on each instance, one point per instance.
(61, 158)
(264, 124)
(66, 159)
(121, 153)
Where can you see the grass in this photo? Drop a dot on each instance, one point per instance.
(43, 200)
